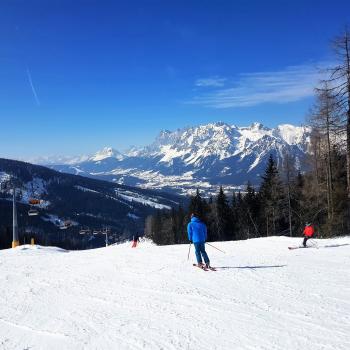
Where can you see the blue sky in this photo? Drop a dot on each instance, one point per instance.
(79, 75)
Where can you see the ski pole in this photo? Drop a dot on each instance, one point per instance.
(216, 248)
(313, 243)
(189, 248)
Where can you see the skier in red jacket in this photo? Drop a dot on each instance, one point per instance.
(308, 233)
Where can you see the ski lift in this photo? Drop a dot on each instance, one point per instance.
(33, 212)
(34, 201)
(84, 231)
(66, 224)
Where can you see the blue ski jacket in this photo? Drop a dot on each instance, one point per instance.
(197, 231)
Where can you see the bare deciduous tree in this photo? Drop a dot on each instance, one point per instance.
(339, 81)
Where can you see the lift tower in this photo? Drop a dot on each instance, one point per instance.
(15, 241)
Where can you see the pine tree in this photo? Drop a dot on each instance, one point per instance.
(238, 214)
(234, 216)
(181, 229)
(154, 228)
(271, 198)
(223, 219)
(251, 211)
(196, 205)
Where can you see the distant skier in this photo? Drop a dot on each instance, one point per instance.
(135, 239)
(308, 233)
(197, 234)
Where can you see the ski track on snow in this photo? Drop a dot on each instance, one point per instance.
(262, 296)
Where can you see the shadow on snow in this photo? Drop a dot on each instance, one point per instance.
(249, 267)
(335, 245)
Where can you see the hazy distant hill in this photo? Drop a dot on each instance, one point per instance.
(84, 202)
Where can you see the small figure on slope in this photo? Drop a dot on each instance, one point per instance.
(197, 234)
(308, 233)
(135, 239)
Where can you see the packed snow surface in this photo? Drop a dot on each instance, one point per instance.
(262, 296)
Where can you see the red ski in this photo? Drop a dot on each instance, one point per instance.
(205, 268)
(212, 268)
(201, 267)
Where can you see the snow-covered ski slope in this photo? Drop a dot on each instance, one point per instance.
(263, 296)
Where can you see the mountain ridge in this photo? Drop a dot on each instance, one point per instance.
(204, 155)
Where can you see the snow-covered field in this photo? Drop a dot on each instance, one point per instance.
(263, 296)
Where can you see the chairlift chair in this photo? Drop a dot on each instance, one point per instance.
(66, 224)
(84, 231)
(34, 201)
(33, 212)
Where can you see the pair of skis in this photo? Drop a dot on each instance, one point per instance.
(299, 247)
(314, 245)
(203, 267)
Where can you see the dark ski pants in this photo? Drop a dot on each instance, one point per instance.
(200, 252)
(305, 240)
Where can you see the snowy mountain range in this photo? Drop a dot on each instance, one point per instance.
(202, 157)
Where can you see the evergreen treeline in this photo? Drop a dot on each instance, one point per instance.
(284, 203)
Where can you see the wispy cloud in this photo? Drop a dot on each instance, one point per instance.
(250, 89)
(33, 88)
(211, 82)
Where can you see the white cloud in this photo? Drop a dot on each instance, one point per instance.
(250, 89)
(214, 82)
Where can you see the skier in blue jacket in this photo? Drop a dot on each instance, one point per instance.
(197, 234)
